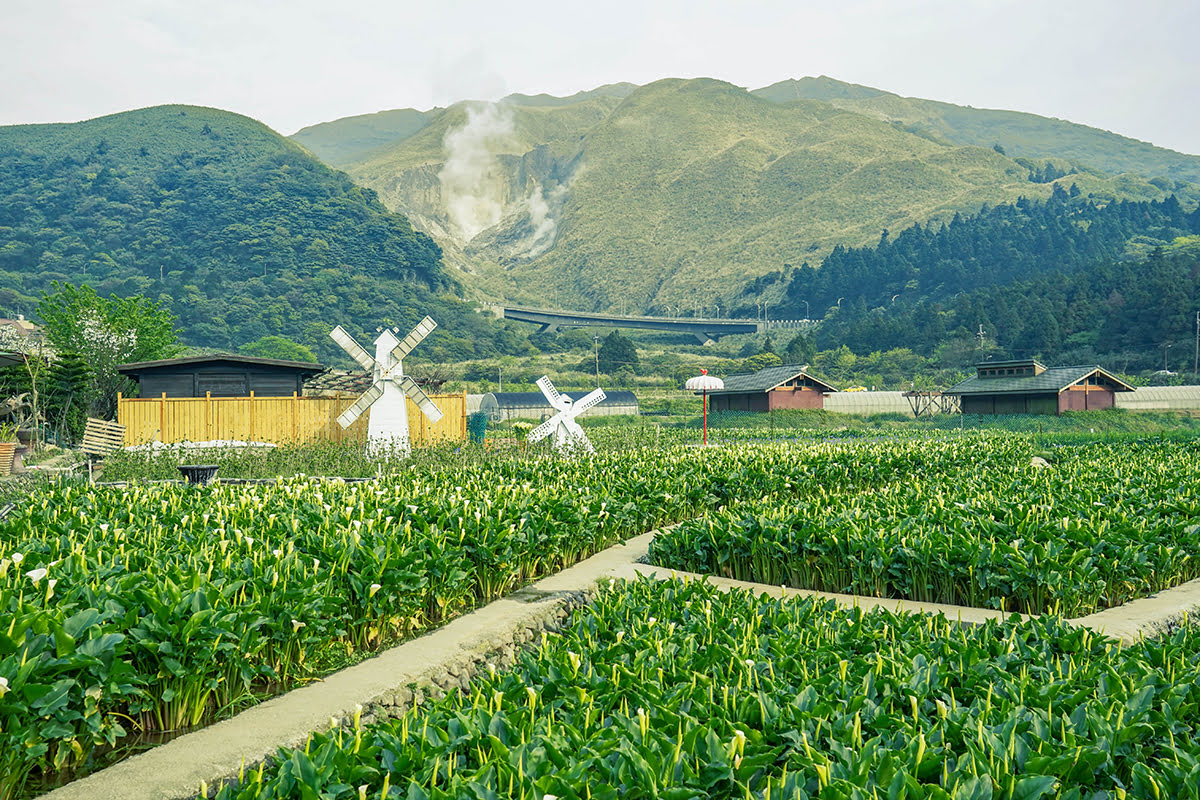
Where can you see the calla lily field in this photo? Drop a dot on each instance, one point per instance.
(135, 613)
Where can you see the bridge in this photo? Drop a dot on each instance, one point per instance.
(706, 330)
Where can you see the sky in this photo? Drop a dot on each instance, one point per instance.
(1131, 68)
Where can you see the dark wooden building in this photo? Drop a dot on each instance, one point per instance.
(771, 389)
(1028, 387)
(220, 375)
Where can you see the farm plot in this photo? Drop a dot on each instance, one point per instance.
(141, 612)
(1103, 525)
(671, 690)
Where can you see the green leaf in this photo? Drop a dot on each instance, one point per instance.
(1032, 787)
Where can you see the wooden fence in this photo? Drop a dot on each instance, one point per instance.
(281, 420)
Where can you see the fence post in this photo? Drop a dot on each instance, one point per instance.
(162, 417)
(208, 416)
(252, 415)
(295, 417)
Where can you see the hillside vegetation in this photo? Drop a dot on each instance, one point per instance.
(238, 231)
(1018, 134)
(1065, 280)
(673, 197)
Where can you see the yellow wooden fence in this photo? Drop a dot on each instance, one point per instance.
(281, 420)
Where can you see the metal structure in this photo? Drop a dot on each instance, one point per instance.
(387, 429)
(930, 403)
(568, 435)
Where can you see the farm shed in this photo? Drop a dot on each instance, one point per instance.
(220, 375)
(502, 406)
(1161, 398)
(1028, 387)
(770, 389)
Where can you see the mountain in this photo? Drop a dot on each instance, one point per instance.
(345, 140)
(678, 194)
(237, 230)
(1018, 134)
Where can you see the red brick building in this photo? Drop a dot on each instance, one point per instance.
(771, 389)
(1028, 387)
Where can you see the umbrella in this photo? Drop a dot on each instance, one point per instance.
(705, 383)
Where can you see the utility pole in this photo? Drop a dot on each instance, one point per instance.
(981, 336)
(500, 377)
(596, 339)
(1166, 346)
(1196, 359)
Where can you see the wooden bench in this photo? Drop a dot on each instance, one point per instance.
(100, 438)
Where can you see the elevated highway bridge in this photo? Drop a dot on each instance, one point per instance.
(706, 330)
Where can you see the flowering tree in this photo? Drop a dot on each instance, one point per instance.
(107, 332)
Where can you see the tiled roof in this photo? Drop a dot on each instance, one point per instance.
(767, 379)
(1054, 379)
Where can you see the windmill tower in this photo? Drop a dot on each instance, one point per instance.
(568, 435)
(387, 430)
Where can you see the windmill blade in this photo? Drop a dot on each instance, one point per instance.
(360, 405)
(414, 338)
(543, 430)
(587, 401)
(427, 406)
(578, 437)
(352, 347)
(553, 396)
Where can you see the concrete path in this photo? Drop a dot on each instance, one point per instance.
(965, 614)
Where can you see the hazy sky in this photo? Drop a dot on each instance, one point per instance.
(1127, 67)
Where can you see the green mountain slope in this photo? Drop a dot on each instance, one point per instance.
(342, 141)
(233, 227)
(1019, 134)
(683, 191)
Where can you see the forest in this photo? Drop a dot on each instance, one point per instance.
(1067, 280)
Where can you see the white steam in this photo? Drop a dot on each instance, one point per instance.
(472, 179)
(544, 226)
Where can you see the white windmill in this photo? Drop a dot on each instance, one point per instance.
(387, 429)
(568, 435)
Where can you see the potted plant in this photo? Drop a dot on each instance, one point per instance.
(8, 446)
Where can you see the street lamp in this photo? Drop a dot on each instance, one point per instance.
(596, 339)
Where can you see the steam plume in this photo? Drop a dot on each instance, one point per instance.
(472, 180)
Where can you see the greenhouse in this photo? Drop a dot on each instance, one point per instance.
(503, 406)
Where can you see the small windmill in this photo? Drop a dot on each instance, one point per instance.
(388, 426)
(568, 435)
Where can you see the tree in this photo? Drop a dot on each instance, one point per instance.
(67, 389)
(800, 350)
(761, 361)
(617, 351)
(279, 347)
(106, 332)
